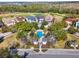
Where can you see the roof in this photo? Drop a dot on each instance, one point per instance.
(49, 18)
(8, 21)
(20, 18)
(40, 17)
(70, 19)
(31, 18)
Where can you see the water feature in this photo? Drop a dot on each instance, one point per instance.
(39, 34)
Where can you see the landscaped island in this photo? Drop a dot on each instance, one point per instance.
(41, 30)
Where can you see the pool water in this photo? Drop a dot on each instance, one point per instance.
(39, 34)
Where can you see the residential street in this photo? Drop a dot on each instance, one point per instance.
(51, 53)
(7, 34)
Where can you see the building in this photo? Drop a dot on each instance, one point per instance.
(8, 21)
(40, 18)
(49, 18)
(70, 20)
(19, 19)
(31, 19)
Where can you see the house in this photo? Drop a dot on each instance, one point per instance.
(19, 19)
(40, 18)
(70, 20)
(49, 18)
(8, 21)
(31, 19)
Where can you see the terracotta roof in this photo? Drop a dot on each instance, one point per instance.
(70, 19)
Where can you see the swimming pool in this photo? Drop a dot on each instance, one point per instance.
(39, 34)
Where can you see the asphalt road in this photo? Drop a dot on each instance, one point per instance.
(52, 53)
(5, 35)
(51, 56)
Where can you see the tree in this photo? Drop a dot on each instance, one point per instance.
(23, 26)
(22, 30)
(35, 25)
(32, 34)
(71, 30)
(4, 53)
(43, 24)
(71, 44)
(57, 30)
(5, 29)
(22, 34)
(60, 34)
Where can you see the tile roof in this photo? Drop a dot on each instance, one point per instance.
(31, 18)
(40, 18)
(49, 18)
(70, 19)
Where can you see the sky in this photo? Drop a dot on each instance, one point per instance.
(33, 0)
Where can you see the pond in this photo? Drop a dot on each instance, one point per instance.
(39, 34)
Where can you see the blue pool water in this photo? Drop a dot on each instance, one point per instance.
(39, 34)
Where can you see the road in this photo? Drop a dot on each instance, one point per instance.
(52, 53)
(52, 56)
(7, 34)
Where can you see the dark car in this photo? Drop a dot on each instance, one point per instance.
(1, 39)
(25, 55)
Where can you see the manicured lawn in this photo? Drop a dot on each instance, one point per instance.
(60, 44)
(70, 37)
